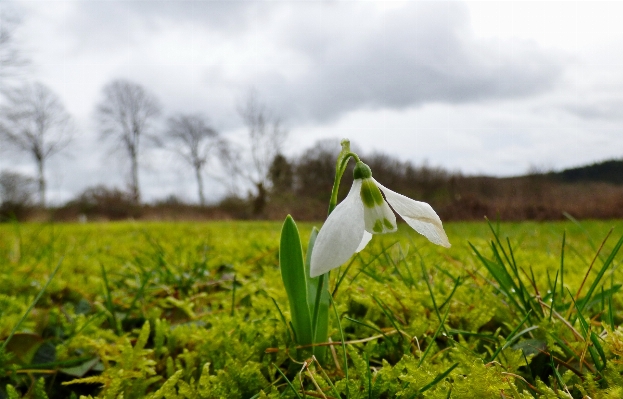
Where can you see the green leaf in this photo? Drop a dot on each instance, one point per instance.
(295, 281)
(81, 370)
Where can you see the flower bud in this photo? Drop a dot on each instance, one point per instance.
(362, 171)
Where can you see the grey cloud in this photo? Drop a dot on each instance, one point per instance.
(112, 23)
(600, 110)
(353, 55)
(417, 54)
(594, 95)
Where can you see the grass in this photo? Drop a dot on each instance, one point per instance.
(198, 310)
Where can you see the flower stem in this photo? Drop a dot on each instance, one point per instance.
(317, 305)
(340, 167)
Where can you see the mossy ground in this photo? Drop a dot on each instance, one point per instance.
(198, 310)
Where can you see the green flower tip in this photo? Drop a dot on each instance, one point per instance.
(362, 171)
(345, 145)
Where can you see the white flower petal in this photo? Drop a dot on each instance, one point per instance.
(379, 219)
(364, 241)
(419, 215)
(378, 216)
(341, 234)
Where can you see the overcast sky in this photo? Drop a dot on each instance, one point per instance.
(481, 87)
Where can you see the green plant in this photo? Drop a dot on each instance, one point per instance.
(348, 229)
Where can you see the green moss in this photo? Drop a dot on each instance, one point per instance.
(171, 328)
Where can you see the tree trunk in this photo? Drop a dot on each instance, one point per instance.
(202, 200)
(41, 179)
(259, 203)
(136, 194)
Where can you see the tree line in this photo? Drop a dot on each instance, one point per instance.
(261, 180)
(35, 123)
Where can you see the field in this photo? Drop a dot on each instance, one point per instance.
(198, 310)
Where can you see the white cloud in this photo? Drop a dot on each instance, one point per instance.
(484, 87)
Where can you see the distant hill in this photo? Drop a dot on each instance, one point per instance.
(610, 171)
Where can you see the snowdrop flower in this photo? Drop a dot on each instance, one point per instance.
(364, 212)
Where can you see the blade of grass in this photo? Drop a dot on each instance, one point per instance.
(534, 304)
(590, 267)
(457, 284)
(390, 260)
(432, 296)
(596, 351)
(387, 313)
(32, 305)
(496, 235)
(500, 276)
(441, 326)
(403, 258)
(233, 296)
(510, 337)
(450, 276)
(326, 377)
(564, 346)
(610, 313)
(436, 381)
(599, 351)
(602, 271)
(288, 381)
(562, 267)
(508, 278)
(139, 293)
(487, 337)
(285, 323)
(523, 292)
(361, 323)
(551, 309)
(556, 373)
(599, 298)
(342, 276)
(512, 263)
(109, 306)
(581, 227)
(369, 375)
(339, 325)
(373, 328)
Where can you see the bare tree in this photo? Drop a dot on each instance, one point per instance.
(33, 120)
(266, 139)
(192, 138)
(12, 59)
(125, 115)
